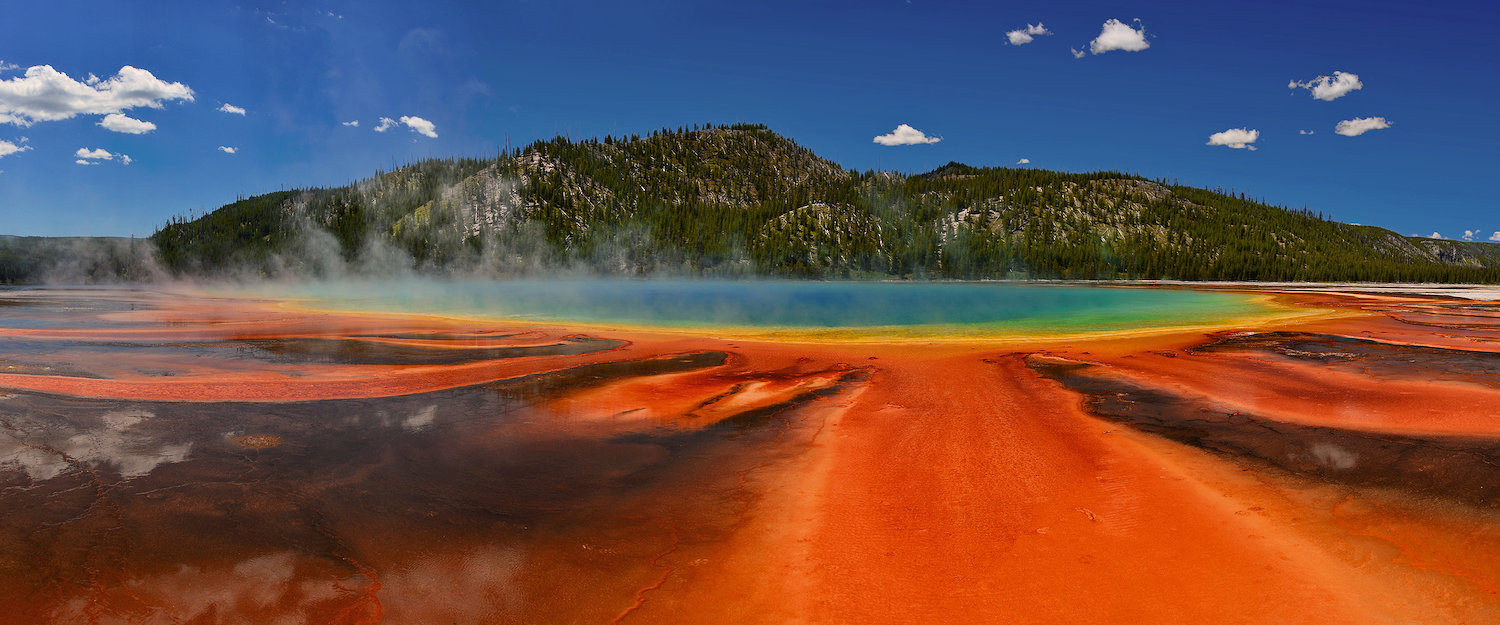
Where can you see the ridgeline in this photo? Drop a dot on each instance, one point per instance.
(727, 201)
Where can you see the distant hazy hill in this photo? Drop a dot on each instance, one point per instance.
(742, 200)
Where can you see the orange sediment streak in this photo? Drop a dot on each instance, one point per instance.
(902, 483)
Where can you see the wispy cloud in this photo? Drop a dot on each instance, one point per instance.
(1023, 36)
(906, 135)
(1330, 88)
(1077, 54)
(352, 123)
(1117, 35)
(1360, 125)
(1237, 138)
(1024, 161)
(44, 94)
(1470, 234)
(1304, 132)
(228, 150)
(120, 122)
(7, 148)
(231, 109)
(385, 124)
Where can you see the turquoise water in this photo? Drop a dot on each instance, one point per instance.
(798, 305)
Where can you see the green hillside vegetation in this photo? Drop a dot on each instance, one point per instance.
(741, 200)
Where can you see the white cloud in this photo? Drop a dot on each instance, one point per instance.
(1304, 132)
(419, 125)
(228, 150)
(1237, 138)
(385, 124)
(1077, 54)
(1024, 161)
(1330, 88)
(1469, 235)
(8, 67)
(1360, 125)
(906, 135)
(1023, 36)
(7, 148)
(1495, 237)
(354, 123)
(1117, 35)
(232, 109)
(85, 156)
(44, 94)
(1434, 236)
(119, 122)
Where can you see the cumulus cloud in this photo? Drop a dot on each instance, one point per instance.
(419, 125)
(1024, 161)
(1495, 237)
(1023, 36)
(1237, 138)
(385, 124)
(120, 122)
(228, 150)
(1434, 236)
(906, 135)
(1117, 35)
(44, 94)
(1469, 235)
(85, 156)
(7, 148)
(353, 123)
(1361, 125)
(232, 109)
(1330, 88)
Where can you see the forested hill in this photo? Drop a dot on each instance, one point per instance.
(741, 200)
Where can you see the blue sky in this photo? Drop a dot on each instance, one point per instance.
(830, 75)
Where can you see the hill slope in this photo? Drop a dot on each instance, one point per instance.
(742, 200)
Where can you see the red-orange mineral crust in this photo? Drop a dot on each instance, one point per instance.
(825, 483)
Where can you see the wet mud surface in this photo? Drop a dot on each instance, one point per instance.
(1465, 468)
(188, 459)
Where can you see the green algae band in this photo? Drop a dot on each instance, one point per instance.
(937, 307)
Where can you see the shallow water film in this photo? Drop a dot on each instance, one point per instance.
(185, 458)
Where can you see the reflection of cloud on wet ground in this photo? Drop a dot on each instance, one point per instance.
(269, 588)
(421, 419)
(44, 451)
(1333, 456)
(283, 587)
(474, 587)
